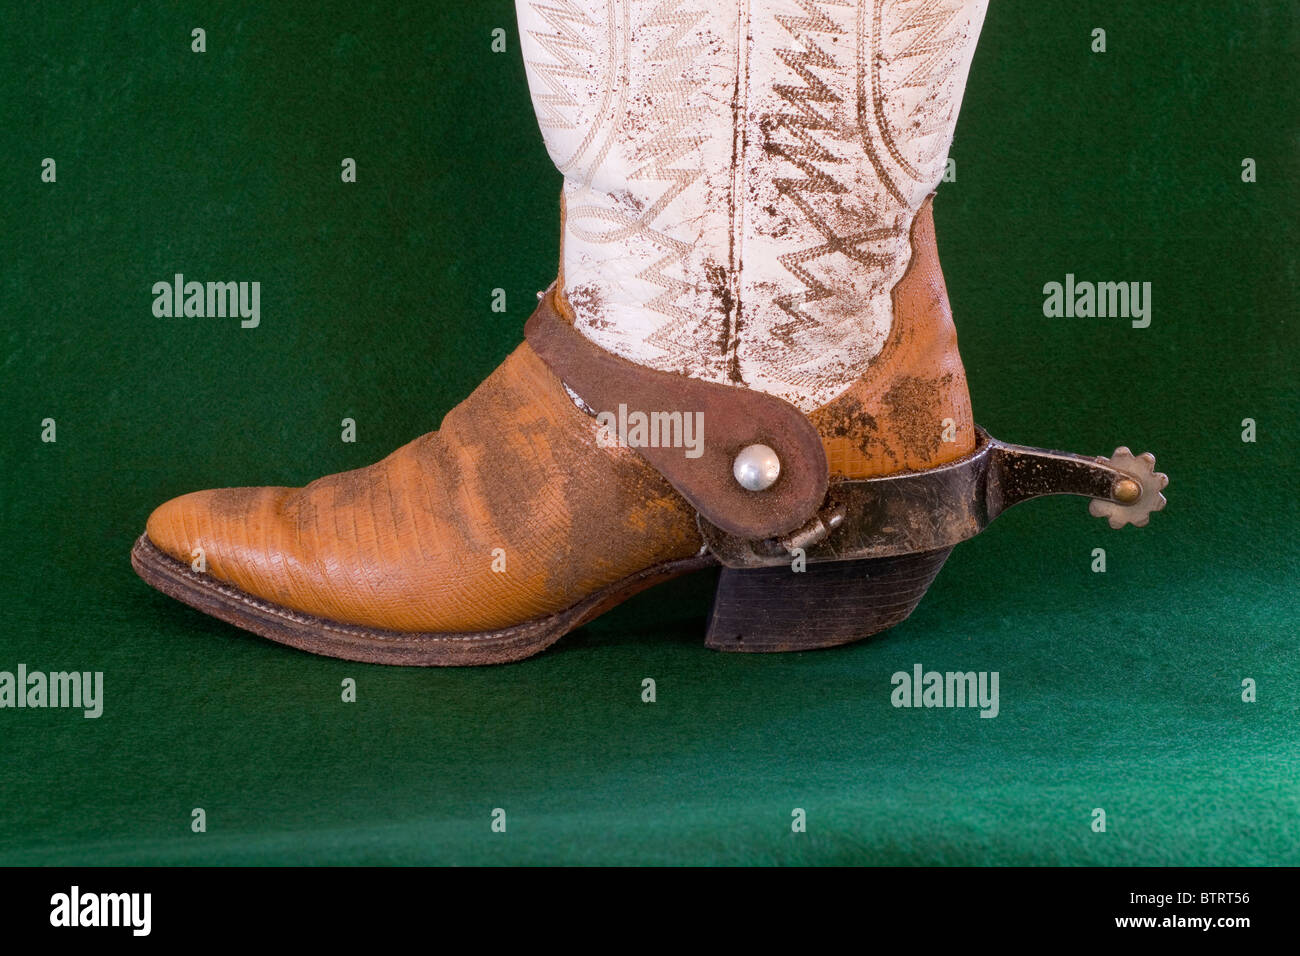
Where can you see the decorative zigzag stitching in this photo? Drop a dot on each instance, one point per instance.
(673, 60)
(802, 123)
(558, 45)
(928, 19)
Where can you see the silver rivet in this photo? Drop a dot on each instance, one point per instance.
(756, 468)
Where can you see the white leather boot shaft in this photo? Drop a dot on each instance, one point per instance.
(740, 176)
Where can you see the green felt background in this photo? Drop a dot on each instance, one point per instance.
(1119, 690)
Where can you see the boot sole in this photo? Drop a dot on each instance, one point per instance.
(754, 610)
(375, 645)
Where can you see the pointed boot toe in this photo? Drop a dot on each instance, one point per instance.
(223, 530)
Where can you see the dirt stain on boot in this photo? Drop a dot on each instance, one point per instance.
(911, 408)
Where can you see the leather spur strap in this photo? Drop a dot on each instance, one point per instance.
(732, 419)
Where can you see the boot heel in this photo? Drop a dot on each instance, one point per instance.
(830, 603)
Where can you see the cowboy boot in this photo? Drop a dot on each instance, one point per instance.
(747, 244)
